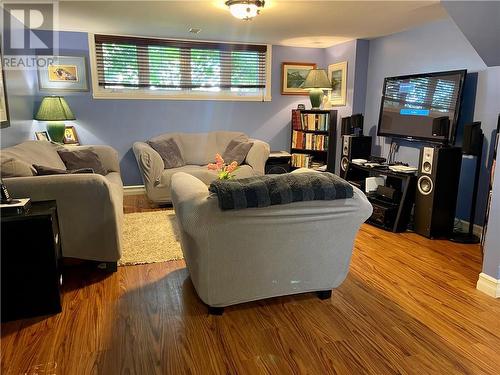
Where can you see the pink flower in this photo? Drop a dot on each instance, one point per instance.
(212, 167)
(219, 161)
(232, 167)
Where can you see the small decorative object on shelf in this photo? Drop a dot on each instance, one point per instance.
(313, 139)
(42, 136)
(70, 136)
(223, 170)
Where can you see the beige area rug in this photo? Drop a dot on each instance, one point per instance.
(150, 237)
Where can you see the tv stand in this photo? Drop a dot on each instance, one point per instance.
(390, 214)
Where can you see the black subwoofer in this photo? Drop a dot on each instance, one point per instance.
(437, 189)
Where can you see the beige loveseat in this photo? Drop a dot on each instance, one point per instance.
(244, 255)
(197, 149)
(90, 206)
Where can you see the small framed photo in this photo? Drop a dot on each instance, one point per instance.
(65, 73)
(293, 76)
(337, 74)
(70, 136)
(42, 136)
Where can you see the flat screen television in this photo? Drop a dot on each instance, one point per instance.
(412, 104)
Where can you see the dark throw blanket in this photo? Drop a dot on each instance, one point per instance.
(268, 190)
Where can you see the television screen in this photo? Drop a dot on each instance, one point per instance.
(412, 104)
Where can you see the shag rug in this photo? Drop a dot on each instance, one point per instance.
(150, 237)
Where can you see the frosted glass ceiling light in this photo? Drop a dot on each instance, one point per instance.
(245, 9)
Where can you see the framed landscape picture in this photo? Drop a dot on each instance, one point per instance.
(293, 77)
(66, 73)
(337, 74)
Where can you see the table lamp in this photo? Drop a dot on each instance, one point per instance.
(317, 81)
(55, 109)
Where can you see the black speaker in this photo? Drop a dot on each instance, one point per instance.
(437, 190)
(357, 121)
(345, 126)
(472, 139)
(354, 147)
(441, 126)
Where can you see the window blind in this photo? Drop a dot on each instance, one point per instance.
(167, 64)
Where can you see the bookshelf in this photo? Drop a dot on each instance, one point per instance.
(312, 141)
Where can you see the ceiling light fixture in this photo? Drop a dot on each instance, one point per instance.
(245, 9)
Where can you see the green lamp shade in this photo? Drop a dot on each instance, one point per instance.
(54, 109)
(317, 81)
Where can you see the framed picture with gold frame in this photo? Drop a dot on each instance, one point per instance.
(70, 136)
(64, 73)
(337, 74)
(293, 76)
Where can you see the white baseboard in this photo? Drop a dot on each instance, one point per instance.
(134, 190)
(464, 227)
(488, 285)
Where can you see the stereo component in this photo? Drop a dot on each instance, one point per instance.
(437, 190)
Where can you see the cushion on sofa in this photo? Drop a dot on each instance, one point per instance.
(13, 167)
(198, 148)
(79, 159)
(36, 152)
(169, 152)
(236, 151)
(42, 170)
(222, 139)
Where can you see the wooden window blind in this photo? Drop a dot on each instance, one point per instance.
(178, 65)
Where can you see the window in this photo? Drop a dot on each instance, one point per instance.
(133, 67)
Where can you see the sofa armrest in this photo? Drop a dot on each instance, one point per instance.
(150, 163)
(107, 154)
(90, 213)
(257, 156)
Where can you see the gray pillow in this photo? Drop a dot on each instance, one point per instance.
(169, 152)
(12, 167)
(236, 151)
(79, 159)
(42, 170)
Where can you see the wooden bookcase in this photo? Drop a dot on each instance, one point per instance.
(316, 141)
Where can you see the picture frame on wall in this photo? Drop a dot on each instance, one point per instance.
(42, 136)
(337, 74)
(70, 136)
(66, 73)
(4, 106)
(293, 76)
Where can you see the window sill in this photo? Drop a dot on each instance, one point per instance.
(162, 96)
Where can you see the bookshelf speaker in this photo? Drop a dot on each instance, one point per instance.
(354, 147)
(437, 190)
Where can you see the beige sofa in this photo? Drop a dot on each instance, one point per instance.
(198, 149)
(237, 256)
(90, 206)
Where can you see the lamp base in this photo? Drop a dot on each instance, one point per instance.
(56, 131)
(316, 97)
(462, 237)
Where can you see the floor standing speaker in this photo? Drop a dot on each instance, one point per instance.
(354, 147)
(437, 189)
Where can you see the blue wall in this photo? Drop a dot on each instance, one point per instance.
(120, 123)
(436, 46)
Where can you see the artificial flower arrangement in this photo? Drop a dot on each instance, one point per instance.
(223, 170)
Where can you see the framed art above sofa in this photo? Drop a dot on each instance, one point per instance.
(65, 73)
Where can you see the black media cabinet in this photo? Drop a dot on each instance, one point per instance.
(390, 215)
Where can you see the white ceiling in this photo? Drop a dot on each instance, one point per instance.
(291, 23)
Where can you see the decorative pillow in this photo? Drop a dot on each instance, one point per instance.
(169, 152)
(79, 159)
(12, 167)
(236, 151)
(45, 171)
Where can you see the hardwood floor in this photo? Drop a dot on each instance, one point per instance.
(408, 306)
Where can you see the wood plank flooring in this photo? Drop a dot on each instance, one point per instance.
(408, 306)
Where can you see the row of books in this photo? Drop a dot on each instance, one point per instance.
(310, 121)
(309, 141)
(307, 161)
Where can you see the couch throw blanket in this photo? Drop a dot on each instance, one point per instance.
(268, 190)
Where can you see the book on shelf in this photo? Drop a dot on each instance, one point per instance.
(311, 121)
(307, 161)
(309, 141)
